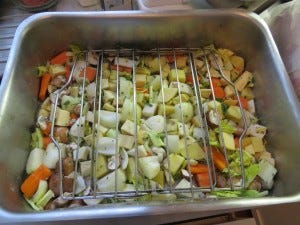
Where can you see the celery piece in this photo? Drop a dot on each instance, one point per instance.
(68, 103)
(45, 199)
(151, 95)
(251, 172)
(42, 70)
(155, 138)
(42, 189)
(37, 139)
(76, 51)
(228, 127)
(111, 133)
(33, 205)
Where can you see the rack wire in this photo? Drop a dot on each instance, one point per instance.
(133, 54)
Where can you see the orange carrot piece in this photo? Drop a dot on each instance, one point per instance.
(244, 102)
(31, 183)
(219, 159)
(46, 141)
(127, 69)
(143, 90)
(236, 142)
(74, 116)
(149, 153)
(68, 72)
(114, 67)
(61, 58)
(216, 82)
(90, 73)
(46, 78)
(189, 78)
(170, 58)
(121, 68)
(199, 168)
(73, 119)
(203, 179)
(219, 92)
(47, 131)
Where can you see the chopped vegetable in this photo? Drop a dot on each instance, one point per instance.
(199, 168)
(219, 92)
(243, 80)
(69, 103)
(62, 117)
(219, 159)
(186, 109)
(45, 199)
(41, 191)
(236, 194)
(203, 179)
(61, 58)
(42, 70)
(37, 139)
(34, 160)
(31, 183)
(149, 166)
(156, 139)
(176, 162)
(106, 146)
(108, 182)
(244, 102)
(266, 173)
(46, 78)
(46, 142)
(194, 151)
(51, 156)
(156, 123)
(90, 73)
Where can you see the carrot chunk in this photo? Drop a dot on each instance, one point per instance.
(46, 78)
(30, 185)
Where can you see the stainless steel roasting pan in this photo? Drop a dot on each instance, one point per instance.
(43, 35)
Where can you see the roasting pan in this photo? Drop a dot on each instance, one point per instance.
(43, 35)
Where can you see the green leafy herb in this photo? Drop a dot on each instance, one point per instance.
(42, 70)
(224, 108)
(76, 51)
(251, 172)
(37, 139)
(239, 193)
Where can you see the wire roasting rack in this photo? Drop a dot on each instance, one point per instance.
(206, 55)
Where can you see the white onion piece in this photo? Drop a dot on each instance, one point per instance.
(106, 146)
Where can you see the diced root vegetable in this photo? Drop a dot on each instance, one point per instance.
(203, 179)
(156, 123)
(106, 146)
(128, 127)
(149, 166)
(140, 81)
(267, 172)
(108, 182)
(82, 153)
(229, 91)
(126, 141)
(34, 160)
(108, 119)
(243, 80)
(51, 156)
(173, 143)
(149, 110)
